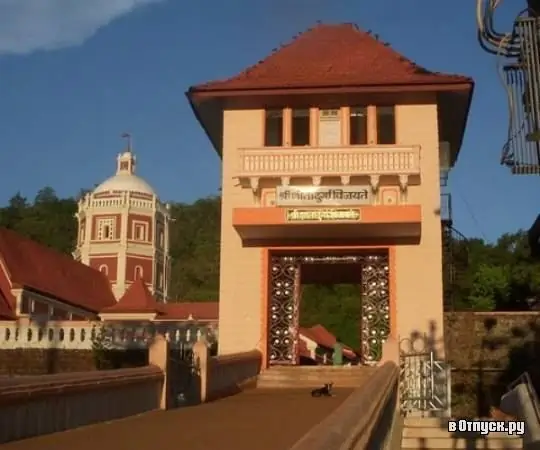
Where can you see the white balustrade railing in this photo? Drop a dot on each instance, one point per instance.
(118, 202)
(342, 161)
(123, 200)
(85, 335)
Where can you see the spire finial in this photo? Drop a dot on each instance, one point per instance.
(127, 137)
(126, 159)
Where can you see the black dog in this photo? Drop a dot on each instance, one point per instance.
(325, 391)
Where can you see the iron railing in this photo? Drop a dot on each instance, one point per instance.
(424, 382)
(521, 153)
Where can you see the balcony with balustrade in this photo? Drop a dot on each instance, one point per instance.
(325, 181)
(342, 164)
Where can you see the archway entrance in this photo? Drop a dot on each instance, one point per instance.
(285, 278)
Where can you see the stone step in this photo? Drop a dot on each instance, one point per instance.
(323, 378)
(307, 370)
(425, 422)
(306, 385)
(321, 369)
(311, 382)
(460, 444)
(313, 376)
(315, 382)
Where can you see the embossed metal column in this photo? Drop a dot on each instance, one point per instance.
(375, 306)
(283, 314)
(284, 288)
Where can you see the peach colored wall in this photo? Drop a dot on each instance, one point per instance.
(419, 267)
(418, 277)
(240, 268)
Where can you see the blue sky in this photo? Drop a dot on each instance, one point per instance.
(75, 74)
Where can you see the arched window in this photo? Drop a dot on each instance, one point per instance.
(106, 229)
(82, 232)
(138, 272)
(104, 269)
(161, 238)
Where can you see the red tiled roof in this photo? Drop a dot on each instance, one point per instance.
(47, 271)
(303, 350)
(5, 308)
(7, 300)
(323, 337)
(332, 56)
(202, 311)
(136, 299)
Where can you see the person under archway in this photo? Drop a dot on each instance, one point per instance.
(337, 355)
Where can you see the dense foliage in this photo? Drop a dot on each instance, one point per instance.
(498, 276)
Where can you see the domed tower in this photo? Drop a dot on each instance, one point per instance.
(124, 230)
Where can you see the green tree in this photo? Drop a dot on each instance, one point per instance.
(491, 286)
(337, 307)
(13, 214)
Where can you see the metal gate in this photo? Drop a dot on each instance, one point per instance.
(283, 303)
(424, 384)
(184, 382)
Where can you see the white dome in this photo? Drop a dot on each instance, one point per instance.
(125, 182)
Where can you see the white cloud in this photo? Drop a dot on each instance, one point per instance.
(30, 25)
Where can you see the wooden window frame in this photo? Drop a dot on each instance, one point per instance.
(314, 116)
(135, 226)
(103, 222)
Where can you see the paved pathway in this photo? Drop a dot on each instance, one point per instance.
(257, 419)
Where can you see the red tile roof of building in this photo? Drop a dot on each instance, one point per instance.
(7, 300)
(32, 265)
(136, 299)
(323, 337)
(332, 56)
(202, 311)
(5, 308)
(303, 350)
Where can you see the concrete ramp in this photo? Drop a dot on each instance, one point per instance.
(262, 419)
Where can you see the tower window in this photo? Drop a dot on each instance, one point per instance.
(160, 278)
(106, 229)
(82, 226)
(386, 125)
(138, 272)
(161, 238)
(139, 231)
(300, 127)
(358, 125)
(273, 130)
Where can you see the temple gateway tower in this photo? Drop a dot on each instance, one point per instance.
(333, 149)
